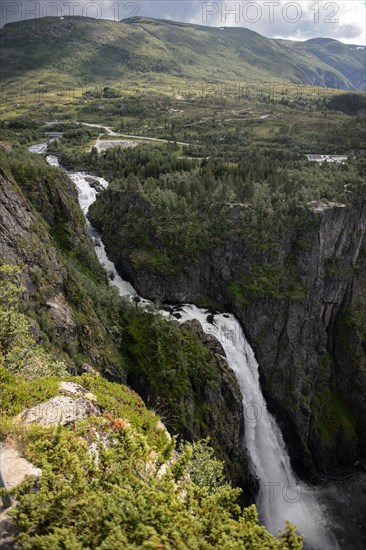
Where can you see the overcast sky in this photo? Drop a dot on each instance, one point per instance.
(300, 20)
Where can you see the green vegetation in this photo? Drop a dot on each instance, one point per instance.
(163, 216)
(268, 280)
(106, 332)
(335, 420)
(59, 256)
(54, 198)
(19, 392)
(237, 194)
(111, 334)
(170, 361)
(113, 479)
(75, 52)
(18, 350)
(126, 494)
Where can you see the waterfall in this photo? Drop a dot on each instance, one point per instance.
(282, 496)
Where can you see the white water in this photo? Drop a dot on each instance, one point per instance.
(281, 495)
(87, 195)
(39, 148)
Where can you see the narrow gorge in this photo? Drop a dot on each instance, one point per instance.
(183, 278)
(281, 494)
(297, 296)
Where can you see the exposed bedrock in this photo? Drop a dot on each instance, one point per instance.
(308, 342)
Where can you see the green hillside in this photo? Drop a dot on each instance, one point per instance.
(80, 51)
(348, 59)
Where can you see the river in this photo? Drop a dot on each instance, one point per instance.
(282, 495)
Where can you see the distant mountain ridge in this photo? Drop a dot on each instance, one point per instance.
(82, 50)
(343, 57)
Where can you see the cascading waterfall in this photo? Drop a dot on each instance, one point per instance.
(281, 495)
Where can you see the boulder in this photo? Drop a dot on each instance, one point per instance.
(14, 468)
(59, 410)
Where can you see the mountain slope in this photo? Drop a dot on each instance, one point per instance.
(79, 51)
(348, 59)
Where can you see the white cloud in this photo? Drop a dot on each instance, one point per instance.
(343, 20)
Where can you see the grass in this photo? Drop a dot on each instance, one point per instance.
(52, 61)
(18, 394)
(237, 291)
(154, 259)
(146, 114)
(336, 418)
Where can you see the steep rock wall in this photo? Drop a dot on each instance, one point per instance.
(213, 407)
(62, 317)
(305, 370)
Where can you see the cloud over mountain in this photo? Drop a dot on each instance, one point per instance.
(343, 20)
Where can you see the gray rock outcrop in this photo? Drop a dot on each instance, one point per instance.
(59, 410)
(305, 363)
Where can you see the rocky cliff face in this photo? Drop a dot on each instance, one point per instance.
(24, 240)
(295, 341)
(41, 226)
(213, 407)
(309, 373)
(62, 316)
